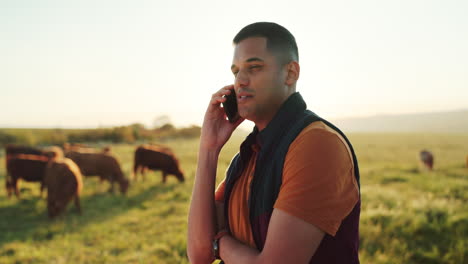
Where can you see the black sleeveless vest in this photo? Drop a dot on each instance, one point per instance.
(274, 141)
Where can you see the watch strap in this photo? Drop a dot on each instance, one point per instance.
(216, 239)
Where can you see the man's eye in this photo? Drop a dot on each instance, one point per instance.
(235, 73)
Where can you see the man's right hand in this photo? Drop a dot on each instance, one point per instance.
(216, 128)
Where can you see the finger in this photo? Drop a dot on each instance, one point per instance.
(228, 88)
(218, 97)
(224, 91)
(216, 100)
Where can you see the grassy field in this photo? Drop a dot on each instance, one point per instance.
(409, 215)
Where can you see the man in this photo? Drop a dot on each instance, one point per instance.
(291, 195)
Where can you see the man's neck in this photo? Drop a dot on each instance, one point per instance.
(262, 124)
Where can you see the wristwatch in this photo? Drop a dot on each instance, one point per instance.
(216, 248)
(216, 243)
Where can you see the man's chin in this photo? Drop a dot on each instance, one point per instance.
(248, 117)
(245, 114)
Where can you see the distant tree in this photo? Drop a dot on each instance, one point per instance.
(161, 120)
(6, 138)
(54, 137)
(137, 129)
(123, 134)
(189, 132)
(26, 137)
(166, 127)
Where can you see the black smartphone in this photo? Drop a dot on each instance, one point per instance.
(230, 107)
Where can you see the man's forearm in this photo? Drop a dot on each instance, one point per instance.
(233, 251)
(202, 216)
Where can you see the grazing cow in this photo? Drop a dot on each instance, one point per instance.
(159, 147)
(100, 164)
(13, 150)
(155, 158)
(427, 159)
(64, 183)
(30, 168)
(17, 149)
(54, 152)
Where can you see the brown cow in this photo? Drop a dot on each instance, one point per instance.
(54, 152)
(427, 159)
(13, 150)
(18, 149)
(30, 168)
(155, 158)
(159, 147)
(100, 164)
(64, 183)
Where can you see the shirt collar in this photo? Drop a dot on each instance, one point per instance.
(275, 128)
(282, 119)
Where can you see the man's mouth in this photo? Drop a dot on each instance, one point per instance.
(243, 97)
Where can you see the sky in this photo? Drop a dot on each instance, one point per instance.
(91, 63)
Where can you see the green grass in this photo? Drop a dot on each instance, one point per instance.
(409, 215)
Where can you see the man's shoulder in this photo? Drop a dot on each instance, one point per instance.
(318, 130)
(319, 137)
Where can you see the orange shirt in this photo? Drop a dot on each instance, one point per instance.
(318, 186)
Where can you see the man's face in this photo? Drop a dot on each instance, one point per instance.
(259, 81)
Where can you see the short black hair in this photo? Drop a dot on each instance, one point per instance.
(279, 40)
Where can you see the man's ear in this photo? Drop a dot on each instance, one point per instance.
(293, 70)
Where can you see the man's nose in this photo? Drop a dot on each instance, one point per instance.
(241, 80)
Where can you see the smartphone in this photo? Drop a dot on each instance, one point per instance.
(230, 107)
